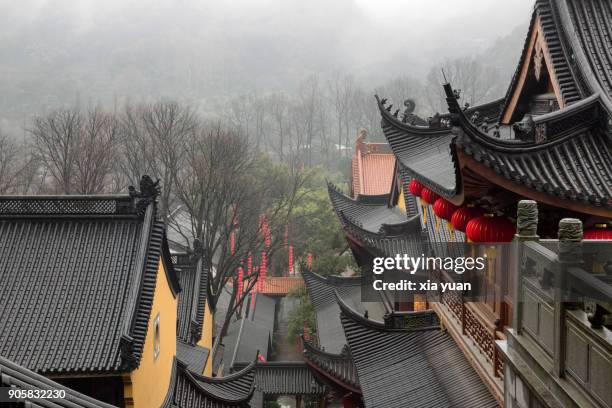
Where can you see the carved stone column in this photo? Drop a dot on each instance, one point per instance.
(570, 254)
(527, 230)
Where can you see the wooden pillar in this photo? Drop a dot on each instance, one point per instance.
(570, 254)
(527, 230)
(298, 401)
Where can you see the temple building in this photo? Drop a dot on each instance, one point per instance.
(21, 379)
(371, 167)
(94, 303)
(90, 293)
(195, 314)
(188, 389)
(459, 177)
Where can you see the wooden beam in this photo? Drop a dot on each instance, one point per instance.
(527, 192)
(536, 37)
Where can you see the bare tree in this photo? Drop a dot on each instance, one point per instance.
(478, 82)
(168, 125)
(96, 152)
(8, 164)
(56, 140)
(226, 189)
(308, 98)
(278, 105)
(364, 113)
(342, 90)
(153, 141)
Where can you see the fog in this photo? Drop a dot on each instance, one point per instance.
(60, 52)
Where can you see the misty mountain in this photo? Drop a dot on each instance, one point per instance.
(62, 53)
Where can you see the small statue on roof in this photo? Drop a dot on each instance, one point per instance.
(525, 129)
(409, 116)
(435, 122)
(410, 105)
(148, 187)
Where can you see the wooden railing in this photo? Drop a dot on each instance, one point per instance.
(479, 327)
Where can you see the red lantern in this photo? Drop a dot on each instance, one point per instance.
(415, 188)
(428, 196)
(463, 215)
(290, 269)
(239, 283)
(489, 228)
(600, 231)
(309, 261)
(263, 270)
(444, 209)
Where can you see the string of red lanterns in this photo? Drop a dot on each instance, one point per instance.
(464, 215)
(415, 188)
(599, 231)
(428, 196)
(239, 283)
(290, 269)
(479, 227)
(444, 209)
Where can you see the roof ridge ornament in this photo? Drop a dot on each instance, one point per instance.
(126, 348)
(149, 191)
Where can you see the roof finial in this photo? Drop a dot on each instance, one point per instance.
(148, 187)
(444, 76)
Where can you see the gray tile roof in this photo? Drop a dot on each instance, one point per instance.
(371, 211)
(573, 162)
(545, 10)
(337, 368)
(418, 367)
(193, 278)
(275, 378)
(194, 356)
(389, 235)
(586, 24)
(321, 291)
(77, 280)
(406, 238)
(247, 336)
(16, 376)
(425, 153)
(190, 390)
